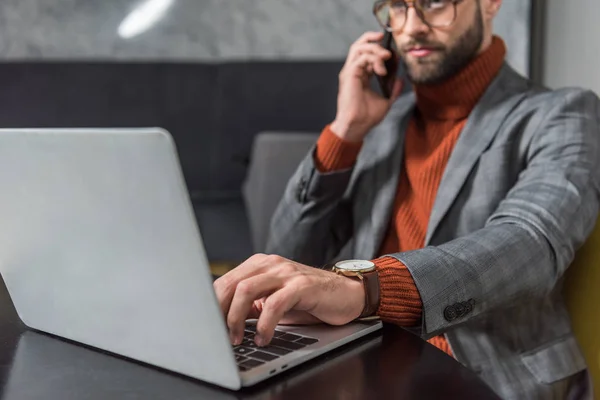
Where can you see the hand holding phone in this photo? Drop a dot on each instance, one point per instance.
(359, 107)
(387, 82)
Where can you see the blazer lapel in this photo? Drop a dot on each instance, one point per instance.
(375, 198)
(481, 127)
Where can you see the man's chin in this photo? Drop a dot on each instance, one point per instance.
(422, 70)
(423, 75)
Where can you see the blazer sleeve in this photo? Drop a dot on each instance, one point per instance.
(313, 221)
(531, 238)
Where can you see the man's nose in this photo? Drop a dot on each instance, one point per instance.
(414, 25)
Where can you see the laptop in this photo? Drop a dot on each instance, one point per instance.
(100, 245)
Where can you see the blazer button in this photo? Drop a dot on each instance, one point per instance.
(461, 310)
(469, 306)
(450, 313)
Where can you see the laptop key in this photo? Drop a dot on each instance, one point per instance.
(290, 337)
(276, 350)
(307, 341)
(242, 368)
(278, 333)
(287, 345)
(269, 349)
(251, 328)
(242, 350)
(249, 343)
(248, 334)
(240, 358)
(263, 356)
(253, 345)
(251, 364)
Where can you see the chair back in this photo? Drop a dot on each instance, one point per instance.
(274, 158)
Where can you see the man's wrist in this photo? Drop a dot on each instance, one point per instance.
(345, 131)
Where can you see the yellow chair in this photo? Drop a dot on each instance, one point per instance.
(582, 291)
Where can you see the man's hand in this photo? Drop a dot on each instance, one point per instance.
(276, 290)
(359, 108)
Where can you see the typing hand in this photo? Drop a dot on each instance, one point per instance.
(276, 290)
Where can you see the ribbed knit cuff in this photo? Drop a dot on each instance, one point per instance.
(441, 343)
(400, 302)
(335, 154)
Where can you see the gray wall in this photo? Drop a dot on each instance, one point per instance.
(572, 48)
(210, 30)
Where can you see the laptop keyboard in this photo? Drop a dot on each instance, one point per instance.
(248, 355)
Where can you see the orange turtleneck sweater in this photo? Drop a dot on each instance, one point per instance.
(441, 113)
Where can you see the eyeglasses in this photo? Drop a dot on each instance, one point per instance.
(392, 14)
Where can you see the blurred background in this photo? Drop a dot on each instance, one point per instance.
(218, 74)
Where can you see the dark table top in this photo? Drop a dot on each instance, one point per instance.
(390, 364)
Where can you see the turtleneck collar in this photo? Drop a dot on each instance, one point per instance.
(455, 98)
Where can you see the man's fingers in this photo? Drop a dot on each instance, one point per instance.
(226, 285)
(274, 309)
(370, 48)
(243, 302)
(255, 310)
(363, 63)
(371, 36)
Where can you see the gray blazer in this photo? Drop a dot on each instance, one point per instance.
(519, 196)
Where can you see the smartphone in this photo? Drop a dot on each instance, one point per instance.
(386, 83)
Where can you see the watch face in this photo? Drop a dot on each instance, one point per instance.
(355, 265)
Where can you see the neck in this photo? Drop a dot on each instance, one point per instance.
(488, 39)
(456, 97)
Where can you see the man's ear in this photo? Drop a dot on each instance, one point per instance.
(490, 8)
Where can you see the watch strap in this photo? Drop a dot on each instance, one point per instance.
(372, 297)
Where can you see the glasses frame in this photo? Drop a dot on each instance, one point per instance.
(380, 3)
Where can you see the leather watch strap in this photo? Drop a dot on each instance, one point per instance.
(371, 285)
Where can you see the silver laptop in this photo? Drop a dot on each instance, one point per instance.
(99, 244)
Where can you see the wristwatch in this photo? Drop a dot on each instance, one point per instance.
(367, 273)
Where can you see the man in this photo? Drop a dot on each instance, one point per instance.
(470, 195)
